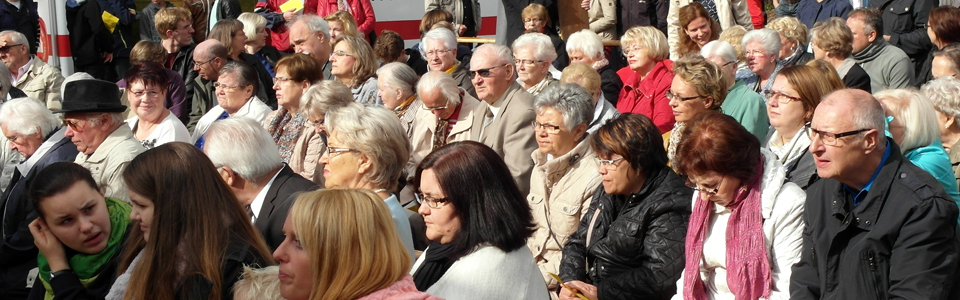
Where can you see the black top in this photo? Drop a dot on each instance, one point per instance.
(857, 78)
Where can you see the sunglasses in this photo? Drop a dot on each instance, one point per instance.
(483, 72)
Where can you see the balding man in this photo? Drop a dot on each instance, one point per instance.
(447, 116)
(877, 227)
(310, 35)
(504, 121)
(31, 75)
(209, 57)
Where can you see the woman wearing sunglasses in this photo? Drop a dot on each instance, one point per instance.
(745, 228)
(790, 104)
(630, 239)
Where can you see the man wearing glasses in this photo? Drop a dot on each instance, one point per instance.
(439, 48)
(877, 227)
(31, 75)
(208, 58)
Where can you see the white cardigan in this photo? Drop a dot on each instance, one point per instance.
(782, 231)
(489, 273)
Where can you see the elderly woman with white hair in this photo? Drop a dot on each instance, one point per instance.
(944, 95)
(396, 84)
(37, 135)
(236, 90)
(533, 55)
(762, 49)
(741, 103)
(367, 149)
(564, 173)
(585, 46)
(255, 28)
(645, 88)
(911, 122)
(439, 49)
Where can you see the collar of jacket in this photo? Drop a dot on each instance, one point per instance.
(864, 216)
(559, 166)
(654, 183)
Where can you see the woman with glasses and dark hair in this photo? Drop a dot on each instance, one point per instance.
(630, 241)
(790, 104)
(236, 90)
(154, 124)
(478, 224)
(746, 223)
(299, 144)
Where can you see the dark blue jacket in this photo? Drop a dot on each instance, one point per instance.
(810, 11)
(25, 20)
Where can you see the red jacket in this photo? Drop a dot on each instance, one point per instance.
(361, 10)
(649, 96)
(276, 25)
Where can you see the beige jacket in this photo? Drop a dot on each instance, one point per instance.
(730, 13)
(306, 152)
(510, 134)
(425, 124)
(110, 158)
(42, 81)
(602, 16)
(560, 193)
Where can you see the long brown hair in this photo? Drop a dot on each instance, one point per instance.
(688, 14)
(196, 217)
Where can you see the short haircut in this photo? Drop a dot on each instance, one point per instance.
(168, 17)
(716, 142)
(570, 100)
(348, 227)
(375, 133)
(217, 50)
(705, 76)
(916, 114)
(144, 51)
(444, 35)
(952, 54)
(689, 13)
(586, 41)
(223, 31)
(150, 73)
(866, 111)
(734, 36)
(583, 75)
(945, 23)
(501, 53)
(398, 75)
(58, 178)
(651, 40)
(27, 116)
(15, 37)
(724, 50)
(323, 96)
(251, 24)
(810, 85)
(314, 24)
(366, 65)
(539, 11)
(791, 28)
(542, 46)
(870, 18)
(258, 284)
(243, 72)
(433, 17)
(301, 67)
(346, 20)
(833, 36)
(943, 94)
(388, 47)
(434, 80)
(242, 144)
(477, 183)
(769, 39)
(636, 138)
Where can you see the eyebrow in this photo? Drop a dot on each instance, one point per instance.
(85, 205)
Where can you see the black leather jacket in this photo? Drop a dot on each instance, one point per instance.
(637, 241)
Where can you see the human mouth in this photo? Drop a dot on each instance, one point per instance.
(93, 240)
(283, 276)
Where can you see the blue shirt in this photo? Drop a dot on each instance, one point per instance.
(858, 196)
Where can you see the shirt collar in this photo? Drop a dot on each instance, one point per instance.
(858, 196)
(258, 200)
(23, 70)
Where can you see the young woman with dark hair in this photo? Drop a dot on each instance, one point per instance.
(192, 238)
(78, 232)
(479, 222)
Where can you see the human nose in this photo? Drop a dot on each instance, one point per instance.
(324, 156)
(281, 253)
(85, 224)
(423, 210)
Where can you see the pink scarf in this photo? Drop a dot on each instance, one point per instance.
(748, 268)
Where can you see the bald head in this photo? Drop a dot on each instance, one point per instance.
(849, 140)
(208, 58)
(211, 48)
(861, 108)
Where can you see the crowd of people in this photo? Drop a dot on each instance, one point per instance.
(292, 152)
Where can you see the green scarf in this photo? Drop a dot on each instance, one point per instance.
(87, 266)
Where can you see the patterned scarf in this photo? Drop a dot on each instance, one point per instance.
(285, 128)
(748, 268)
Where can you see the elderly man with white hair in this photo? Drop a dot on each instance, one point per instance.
(585, 46)
(396, 83)
(31, 75)
(439, 48)
(249, 163)
(447, 116)
(310, 35)
(744, 105)
(533, 55)
(36, 133)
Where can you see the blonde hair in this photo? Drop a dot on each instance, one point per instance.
(537, 10)
(258, 284)
(734, 36)
(833, 35)
(323, 96)
(790, 28)
(365, 65)
(915, 113)
(145, 51)
(168, 17)
(374, 132)
(350, 234)
(704, 75)
(583, 75)
(346, 21)
(650, 39)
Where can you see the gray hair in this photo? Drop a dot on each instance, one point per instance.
(542, 46)
(376, 133)
(572, 101)
(16, 37)
(242, 144)
(398, 75)
(866, 111)
(5, 83)
(315, 24)
(944, 94)
(25, 116)
(920, 127)
(719, 48)
(500, 52)
(444, 35)
(434, 80)
(243, 72)
(251, 24)
(323, 96)
(586, 41)
(116, 118)
(768, 38)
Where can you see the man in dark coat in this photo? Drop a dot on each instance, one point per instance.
(877, 227)
(22, 17)
(904, 24)
(90, 41)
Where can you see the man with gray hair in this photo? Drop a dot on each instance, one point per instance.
(504, 122)
(31, 75)
(249, 163)
(534, 54)
(310, 34)
(447, 116)
(209, 58)
(877, 225)
(93, 115)
(439, 48)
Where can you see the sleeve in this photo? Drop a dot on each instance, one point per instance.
(518, 143)
(196, 107)
(663, 9)
(573, 264)
(787, 238)
(901, 73)
(145, 27)
(231, 9)
(805, 277)
(101, 35)
(269, 11)
(608, 9)
(68, 286)
(314, 147)
(53, 91)
(369, 18)
(429, 5)
(662, 112)
(177, 95)
(924, 256)
(673, 28)
(915, 42)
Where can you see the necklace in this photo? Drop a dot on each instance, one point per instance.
(377, 191)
